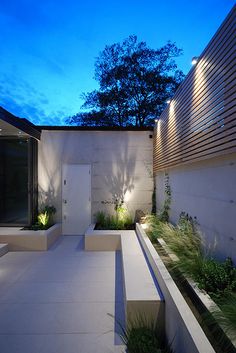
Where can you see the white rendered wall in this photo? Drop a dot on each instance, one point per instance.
(121, 162)
(206, 190)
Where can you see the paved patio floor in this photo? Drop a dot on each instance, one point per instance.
(60, 301)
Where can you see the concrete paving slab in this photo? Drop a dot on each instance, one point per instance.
(68, 274)
(83, 260)
(53, 292)
(61, 301)
(48, 318)
(63, 343)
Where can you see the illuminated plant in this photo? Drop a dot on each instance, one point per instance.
(43, 219)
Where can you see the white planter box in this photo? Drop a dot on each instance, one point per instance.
(29, 240)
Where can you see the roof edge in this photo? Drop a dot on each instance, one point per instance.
(95, 128)
(20, 123)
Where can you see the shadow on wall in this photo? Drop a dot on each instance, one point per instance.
(48, 188)
(120, 182)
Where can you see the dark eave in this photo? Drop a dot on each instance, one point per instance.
(21, 124)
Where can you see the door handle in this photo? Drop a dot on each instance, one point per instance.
(64, 201)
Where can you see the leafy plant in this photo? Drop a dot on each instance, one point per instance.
(51, 210)
(121, 210)
(46, 215)
(119, 205)
(43, 220)
(216, 278)
(154, 226)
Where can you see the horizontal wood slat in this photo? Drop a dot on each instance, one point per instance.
(200, 121)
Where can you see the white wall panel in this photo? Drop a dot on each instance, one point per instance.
(206, 190)
(121, 161)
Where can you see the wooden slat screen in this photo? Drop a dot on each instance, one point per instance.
(200, 121)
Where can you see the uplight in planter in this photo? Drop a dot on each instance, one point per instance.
(144, 225)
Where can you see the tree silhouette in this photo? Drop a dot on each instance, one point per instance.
(134, 83)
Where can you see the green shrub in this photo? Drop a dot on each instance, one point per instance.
(154, 229)
(142, 336)
(44, 218)
(51, 210)
(113, 222)
(143, 340)
(216, 278)
(184, 240)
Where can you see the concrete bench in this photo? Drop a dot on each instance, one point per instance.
(143, 299)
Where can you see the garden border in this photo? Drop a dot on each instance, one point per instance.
(203, 297)
(181, 326)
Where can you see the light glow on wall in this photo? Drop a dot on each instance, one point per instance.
(144, 225)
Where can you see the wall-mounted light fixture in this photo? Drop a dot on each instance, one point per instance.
(195, 60)
(168, 101)
(156, 120)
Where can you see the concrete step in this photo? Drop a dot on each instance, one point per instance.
(3, 249)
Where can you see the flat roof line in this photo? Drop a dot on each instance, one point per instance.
(95, 128)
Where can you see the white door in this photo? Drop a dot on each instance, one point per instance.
(76, 198)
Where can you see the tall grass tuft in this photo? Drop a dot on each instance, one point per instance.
(217, 278)
(183, 240)
(227, 315)
(142, 336)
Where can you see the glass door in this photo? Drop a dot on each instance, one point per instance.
(14, 181)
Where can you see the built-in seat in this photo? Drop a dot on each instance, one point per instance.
(143, 298)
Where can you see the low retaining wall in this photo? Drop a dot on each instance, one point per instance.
(29, 240)
(181, 326)
(102, 240)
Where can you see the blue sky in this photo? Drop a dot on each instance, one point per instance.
(48, 47)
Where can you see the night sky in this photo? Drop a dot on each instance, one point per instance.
(48, 47)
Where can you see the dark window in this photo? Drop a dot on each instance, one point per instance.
(15, 175)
